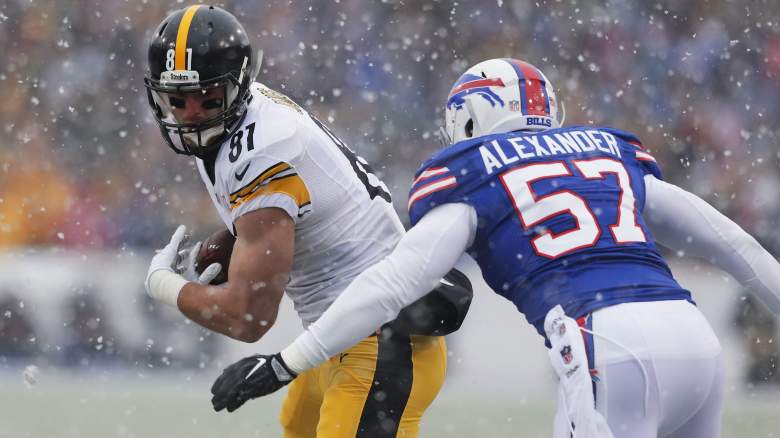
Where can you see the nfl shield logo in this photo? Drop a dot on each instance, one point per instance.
(566, 354)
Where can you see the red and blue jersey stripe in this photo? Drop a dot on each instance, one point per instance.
(430, 181)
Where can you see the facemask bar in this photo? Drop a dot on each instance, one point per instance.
(443, 137)
(203, 137)
(561, 113)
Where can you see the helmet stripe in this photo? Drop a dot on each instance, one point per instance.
(181, 37)
(542, 101)
(534, 99)
(520, 85)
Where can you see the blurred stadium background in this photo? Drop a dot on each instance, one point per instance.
(88, 189)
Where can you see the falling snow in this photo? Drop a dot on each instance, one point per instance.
(89, 189)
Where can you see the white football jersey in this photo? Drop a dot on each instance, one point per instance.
(282, 157)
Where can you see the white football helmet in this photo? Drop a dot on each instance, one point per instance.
(500, 95)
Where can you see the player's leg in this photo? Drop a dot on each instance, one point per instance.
(705, 391)
(685, 398)
(376, 382)
(301, 408)
(627, 397)
(352, 395)
(654, 360)
(429, 363)
(620, 399)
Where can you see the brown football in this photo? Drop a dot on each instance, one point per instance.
(217, 248)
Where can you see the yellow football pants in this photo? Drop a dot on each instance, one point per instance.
(378, 388)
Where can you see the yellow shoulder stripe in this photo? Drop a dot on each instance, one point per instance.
(252, 185)
(291, 186)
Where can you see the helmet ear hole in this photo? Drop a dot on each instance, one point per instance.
(469, 128)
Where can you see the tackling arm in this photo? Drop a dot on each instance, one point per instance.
(422, 257)
(259, 270)
(682, 221)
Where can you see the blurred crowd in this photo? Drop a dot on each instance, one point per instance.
(82, 165)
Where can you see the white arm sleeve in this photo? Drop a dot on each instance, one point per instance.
(422, 257)
(681, 221)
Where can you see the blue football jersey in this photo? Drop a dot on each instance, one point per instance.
(559, 217)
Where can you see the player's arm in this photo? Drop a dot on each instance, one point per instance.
(682, 221)
(259, 270)
(423, 256)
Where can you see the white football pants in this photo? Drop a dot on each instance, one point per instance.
(658, 369)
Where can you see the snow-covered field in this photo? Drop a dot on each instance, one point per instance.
(499, 384)
(117, 405)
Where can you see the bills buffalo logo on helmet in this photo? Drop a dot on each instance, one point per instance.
(473, 84)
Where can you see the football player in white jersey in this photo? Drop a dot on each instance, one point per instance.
(308, 216)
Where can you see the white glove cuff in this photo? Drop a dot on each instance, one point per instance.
(164, 286)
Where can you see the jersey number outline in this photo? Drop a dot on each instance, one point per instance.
(359, 165)
(236, 145)
(532, 209)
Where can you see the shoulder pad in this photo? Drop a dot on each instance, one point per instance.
(623, 135)
(275, 122)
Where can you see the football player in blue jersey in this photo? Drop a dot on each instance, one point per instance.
(563, 222)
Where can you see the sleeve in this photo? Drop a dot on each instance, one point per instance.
(422, 257)
(433, 186)
(631, 144)
(646, 161)
(274, 184)
(684, 222)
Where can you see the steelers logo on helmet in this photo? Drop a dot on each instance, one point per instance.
(500, 95)
(201, 66)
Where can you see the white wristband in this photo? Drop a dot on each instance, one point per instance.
(164, 286)
(295, 359)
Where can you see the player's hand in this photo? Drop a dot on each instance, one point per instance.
(167, 258)
(249, 378)
(188, 260)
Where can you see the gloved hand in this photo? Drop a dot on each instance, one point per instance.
(167, 258)
(249, 378)
(188, 260)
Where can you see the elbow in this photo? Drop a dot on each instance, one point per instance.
(250, 335)
(249, 331)
(252, 322)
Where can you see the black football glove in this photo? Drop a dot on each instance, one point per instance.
(249, 378)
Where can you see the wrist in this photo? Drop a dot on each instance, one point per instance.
(281, 369)
(165, 286)
(295, 360)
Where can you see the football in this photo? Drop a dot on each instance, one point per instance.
(217, 248)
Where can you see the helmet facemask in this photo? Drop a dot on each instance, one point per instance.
(203, 136)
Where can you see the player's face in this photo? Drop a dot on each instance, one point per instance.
(197, 107)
